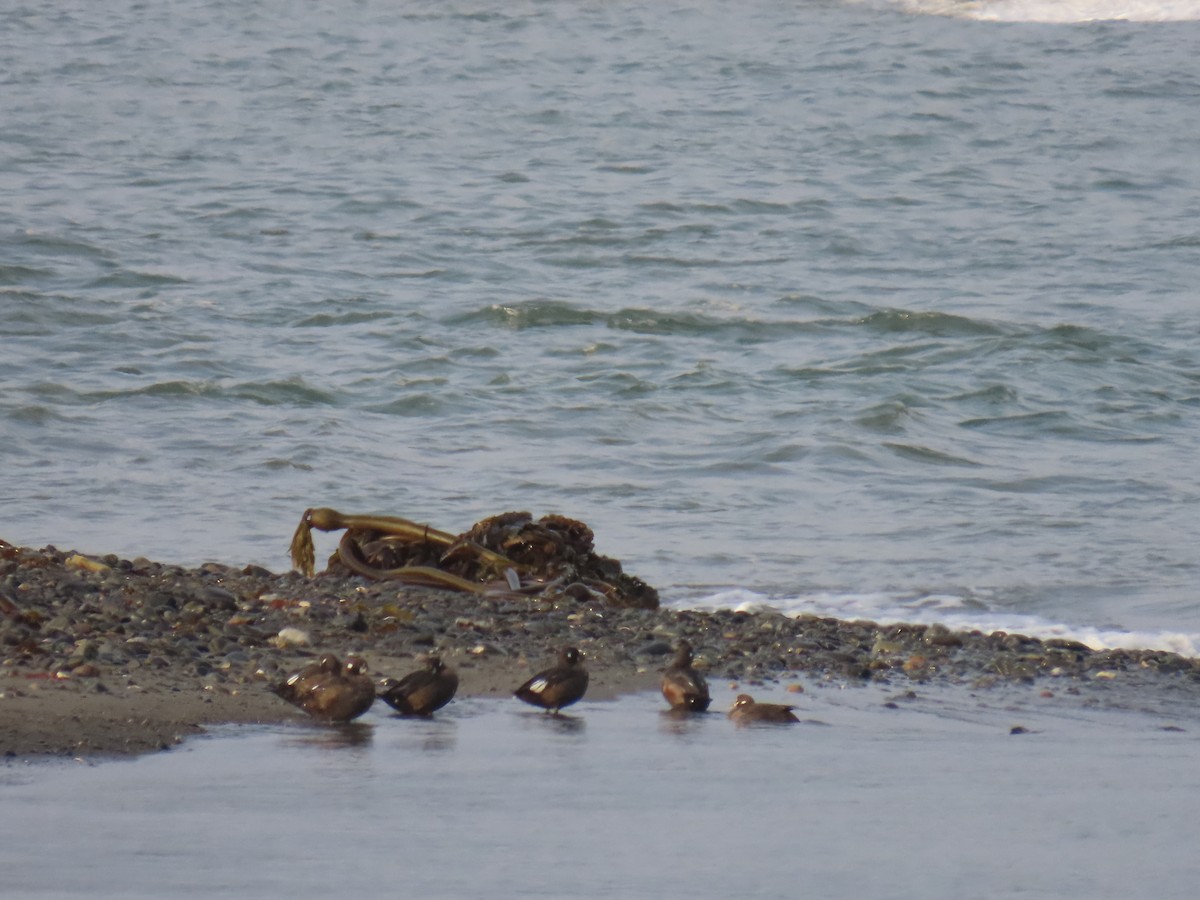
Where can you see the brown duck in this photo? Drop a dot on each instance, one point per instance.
(422, 692)
(746, 712)
(558, 686)
(329, 689)
(682, 686)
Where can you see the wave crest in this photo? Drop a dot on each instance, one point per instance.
(1062, 12)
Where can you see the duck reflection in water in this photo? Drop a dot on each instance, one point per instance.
(341, 736)
(425, 735)
(680, 722)
(559, 723)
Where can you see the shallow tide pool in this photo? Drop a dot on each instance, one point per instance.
(935, 797)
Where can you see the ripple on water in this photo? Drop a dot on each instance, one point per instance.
(800, 347)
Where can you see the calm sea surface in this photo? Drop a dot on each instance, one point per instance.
(850, 307)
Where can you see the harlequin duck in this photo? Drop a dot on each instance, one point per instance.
(421, 692)
(329, 689)
(558, 686)
(682, 686)
(746, 712)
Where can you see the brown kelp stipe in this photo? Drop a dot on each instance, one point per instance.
(393, 530)
(552, 557)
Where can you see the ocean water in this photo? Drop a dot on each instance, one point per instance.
(881, 309)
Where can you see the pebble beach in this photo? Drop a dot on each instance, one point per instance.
(103, 656)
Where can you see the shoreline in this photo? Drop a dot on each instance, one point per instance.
(105, 657)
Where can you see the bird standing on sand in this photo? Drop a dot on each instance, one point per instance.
(422, 692)
(558, 686)
(329, 689)
(682, 686)
(746, 712)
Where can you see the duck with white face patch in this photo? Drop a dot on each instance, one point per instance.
(423, 692)
(330, 689)
(559, 686)
(747, 711)
(682, 686)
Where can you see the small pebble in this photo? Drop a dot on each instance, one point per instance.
(292, 637)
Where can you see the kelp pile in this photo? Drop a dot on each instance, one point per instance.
(552, 557)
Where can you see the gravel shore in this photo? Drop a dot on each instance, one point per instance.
(104, 656)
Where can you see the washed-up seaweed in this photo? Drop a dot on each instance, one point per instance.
(552, 557)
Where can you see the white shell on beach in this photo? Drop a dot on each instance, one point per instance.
(292, 637)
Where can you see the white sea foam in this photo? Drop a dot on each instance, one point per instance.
(955, 612)
(1059, 11)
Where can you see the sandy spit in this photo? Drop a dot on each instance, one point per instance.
(102, 656)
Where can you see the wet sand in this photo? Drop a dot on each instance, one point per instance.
(59, 717)
(103, 656)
